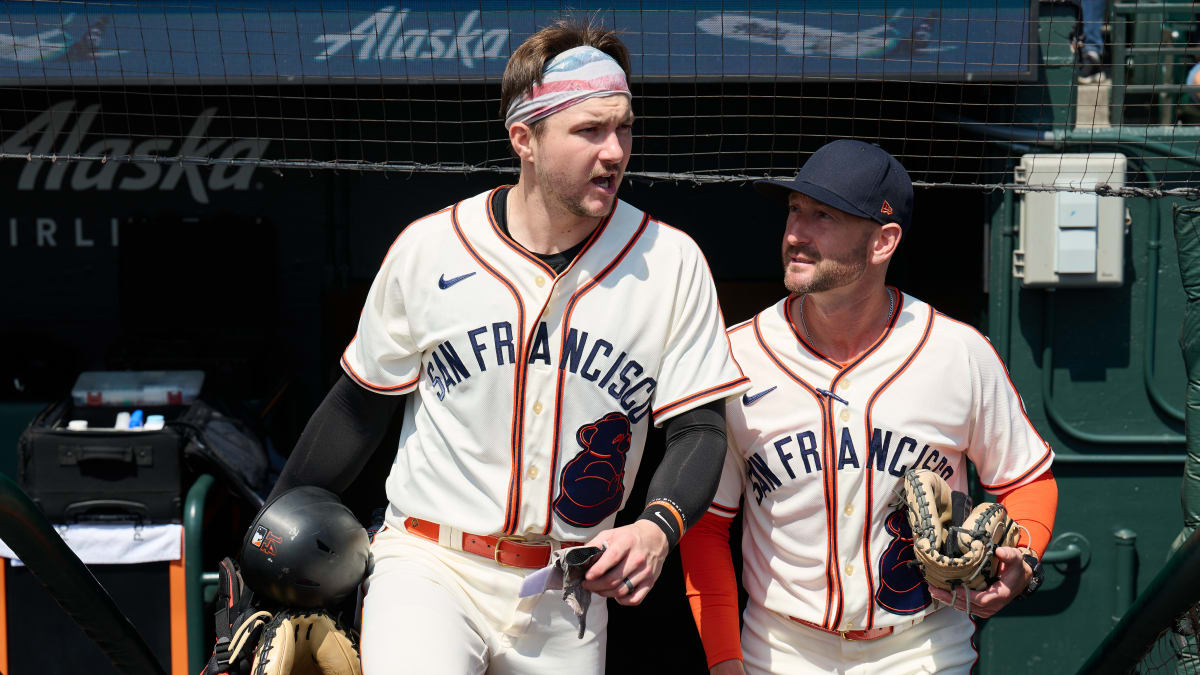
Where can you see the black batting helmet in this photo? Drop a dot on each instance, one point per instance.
(305, 549)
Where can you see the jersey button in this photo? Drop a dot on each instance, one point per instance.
(533, 473)
(849, 571)
(843, 386)
(849, 510)
(537, 408)
(845, 415)
(540, 281)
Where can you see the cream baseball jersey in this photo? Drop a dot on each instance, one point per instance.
(817, 450)
(532, 393)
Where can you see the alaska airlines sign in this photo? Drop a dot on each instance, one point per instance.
(463, 40)
(64, 130)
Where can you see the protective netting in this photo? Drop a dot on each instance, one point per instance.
(1176, 649)
(724, 91)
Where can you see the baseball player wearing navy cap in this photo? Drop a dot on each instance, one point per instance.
(853, 383)
(533, 333)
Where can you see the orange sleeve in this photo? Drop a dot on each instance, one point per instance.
(711, 587)
(1034, 505)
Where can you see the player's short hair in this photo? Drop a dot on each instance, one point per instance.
(525, 66)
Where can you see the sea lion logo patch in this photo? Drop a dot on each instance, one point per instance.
(593, 482)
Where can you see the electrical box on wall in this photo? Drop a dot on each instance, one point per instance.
(1070, 238)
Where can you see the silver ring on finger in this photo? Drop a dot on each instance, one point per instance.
(628, 585)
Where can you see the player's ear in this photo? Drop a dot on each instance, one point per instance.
(521, 137)
(886, 242)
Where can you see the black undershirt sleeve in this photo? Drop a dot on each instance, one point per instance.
(339, 438)
(687, 477)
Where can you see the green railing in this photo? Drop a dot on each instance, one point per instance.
(1173, 590)
(193, 565)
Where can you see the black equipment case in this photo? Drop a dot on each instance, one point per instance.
(102, 474)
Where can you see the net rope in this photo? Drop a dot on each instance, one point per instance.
(723, 92)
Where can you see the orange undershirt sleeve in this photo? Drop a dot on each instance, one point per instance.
(711, 587)
(1034, 505)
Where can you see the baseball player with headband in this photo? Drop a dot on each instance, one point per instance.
(537, 330)
(857, 390)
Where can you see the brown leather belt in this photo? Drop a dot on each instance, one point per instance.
(511, 551)
(868, 634)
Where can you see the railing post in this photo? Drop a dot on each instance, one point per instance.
(1125, 583)
(193, 561)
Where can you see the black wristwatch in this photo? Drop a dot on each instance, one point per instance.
(1038, 574)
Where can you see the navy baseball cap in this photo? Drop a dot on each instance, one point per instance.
(858, 178)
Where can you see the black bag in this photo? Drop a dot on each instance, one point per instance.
(102, 474)
(224, 445)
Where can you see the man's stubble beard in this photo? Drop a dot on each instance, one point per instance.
(558, 195)
(830, 273)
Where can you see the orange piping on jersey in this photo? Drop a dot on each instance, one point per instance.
(831, 577)
(1034, 470)
(514, 474)
(511, 243)
(346, 364)
(742, 379)
(787, 312)
(1046, 456)
(374, 387)
(562, 346)
(830, 472)
(867, 556)
(832, 564)
(729, 345)
(514, 506)
(700, 394)
(733, 329)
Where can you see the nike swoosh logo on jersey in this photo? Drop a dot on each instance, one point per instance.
(747, 399)
(444, 283)
(660, 517)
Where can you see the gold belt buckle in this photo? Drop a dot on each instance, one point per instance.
(500, 539)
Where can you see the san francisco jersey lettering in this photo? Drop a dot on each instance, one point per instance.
(817, 450)
(460, 315)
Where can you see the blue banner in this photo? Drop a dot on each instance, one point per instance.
(360, 41)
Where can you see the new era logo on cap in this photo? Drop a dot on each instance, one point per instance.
(886, 208)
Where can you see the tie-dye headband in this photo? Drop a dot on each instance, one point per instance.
(573, 76)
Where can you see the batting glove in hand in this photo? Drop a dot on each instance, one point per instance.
(238, 624)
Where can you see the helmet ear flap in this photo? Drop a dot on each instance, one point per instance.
(304, 549)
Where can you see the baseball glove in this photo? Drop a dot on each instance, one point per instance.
(306, 642)
(954, 545)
